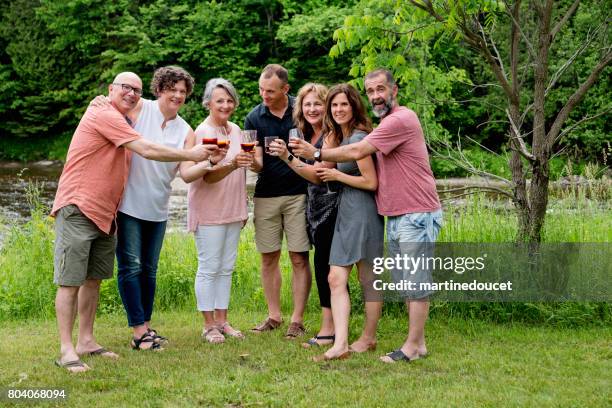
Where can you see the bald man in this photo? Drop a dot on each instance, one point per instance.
(85, 207)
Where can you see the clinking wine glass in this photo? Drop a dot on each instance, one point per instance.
(248, 140)
(267, 141)
(296, 134)
(223, 141)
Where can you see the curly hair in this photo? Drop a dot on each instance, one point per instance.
(301, 123)
(360, 120)
(166, 77)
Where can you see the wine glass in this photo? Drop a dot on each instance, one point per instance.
(248, 140)
(223, 141)
(267, 141)
(296, 134)
(329, 190)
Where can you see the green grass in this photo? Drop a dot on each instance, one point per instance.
(471, 364)
(482, 354)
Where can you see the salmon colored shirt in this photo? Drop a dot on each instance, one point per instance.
(406, 183)
(97, 166)
(223, 202)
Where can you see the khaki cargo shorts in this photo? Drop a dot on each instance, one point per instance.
(82, 251)
(273, 215)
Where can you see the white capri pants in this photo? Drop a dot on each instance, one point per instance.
(217, 247)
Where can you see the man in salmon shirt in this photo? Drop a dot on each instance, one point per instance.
(406, 195)
(85, 206)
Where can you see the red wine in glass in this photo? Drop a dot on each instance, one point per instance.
(209, 140)
(223, 144)
(247, 147)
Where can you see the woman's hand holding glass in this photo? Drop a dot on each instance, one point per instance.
(278, 148)
(243, 159)
(218, 154)
(302, 148)
(327, 175)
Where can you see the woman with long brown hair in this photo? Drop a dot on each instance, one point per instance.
(321, 207)
(358, 232)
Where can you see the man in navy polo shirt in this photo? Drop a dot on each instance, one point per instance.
(280, 200)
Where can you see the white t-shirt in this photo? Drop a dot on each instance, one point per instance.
(148, 187)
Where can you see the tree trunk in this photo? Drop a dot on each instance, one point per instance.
(520, 196)
(538, 191)
(538, 194)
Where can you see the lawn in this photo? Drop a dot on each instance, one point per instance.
(481, 354)
(471, 363)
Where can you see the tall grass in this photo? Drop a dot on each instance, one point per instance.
(26, 265)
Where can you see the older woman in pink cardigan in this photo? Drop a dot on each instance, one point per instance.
(218, 211)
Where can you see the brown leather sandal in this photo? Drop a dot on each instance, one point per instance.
(295, 330)
(267, 325)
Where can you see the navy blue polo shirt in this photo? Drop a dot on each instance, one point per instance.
(276, 178)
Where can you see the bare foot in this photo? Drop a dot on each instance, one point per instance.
(332, 354)
(362, 345)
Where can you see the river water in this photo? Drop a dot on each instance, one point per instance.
(17, 180)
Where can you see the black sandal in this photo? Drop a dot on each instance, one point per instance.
(145, 338)
(313, 341)
(397, 355)
(157, 337)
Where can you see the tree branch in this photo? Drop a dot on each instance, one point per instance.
(589, 39)
(464, 163)
(472, 193)
(564, 20)
(518, 27)
(428, 7)
(577, 97)
(499, 58)
(580, 122)
(522, 148)
(481, 188)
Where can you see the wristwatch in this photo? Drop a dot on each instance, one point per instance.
(290, 158)
(317, 155)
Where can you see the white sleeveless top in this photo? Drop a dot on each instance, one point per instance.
(148, 187)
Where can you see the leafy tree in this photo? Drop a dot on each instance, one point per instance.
(387, 35)
(535, 115)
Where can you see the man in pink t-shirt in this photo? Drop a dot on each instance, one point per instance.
(85, 206)
(406, 194)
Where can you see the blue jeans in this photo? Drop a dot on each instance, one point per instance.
(413, 235)
(139, 243)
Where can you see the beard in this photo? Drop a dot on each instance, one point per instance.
(382, 111)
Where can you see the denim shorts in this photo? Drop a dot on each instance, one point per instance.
(413, 235)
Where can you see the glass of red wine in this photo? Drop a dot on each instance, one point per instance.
(223, 141)
(209, 140)
(248, 140)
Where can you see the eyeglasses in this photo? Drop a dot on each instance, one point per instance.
(128, 88)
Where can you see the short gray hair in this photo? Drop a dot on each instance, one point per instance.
(222, 83)
(381, 71)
